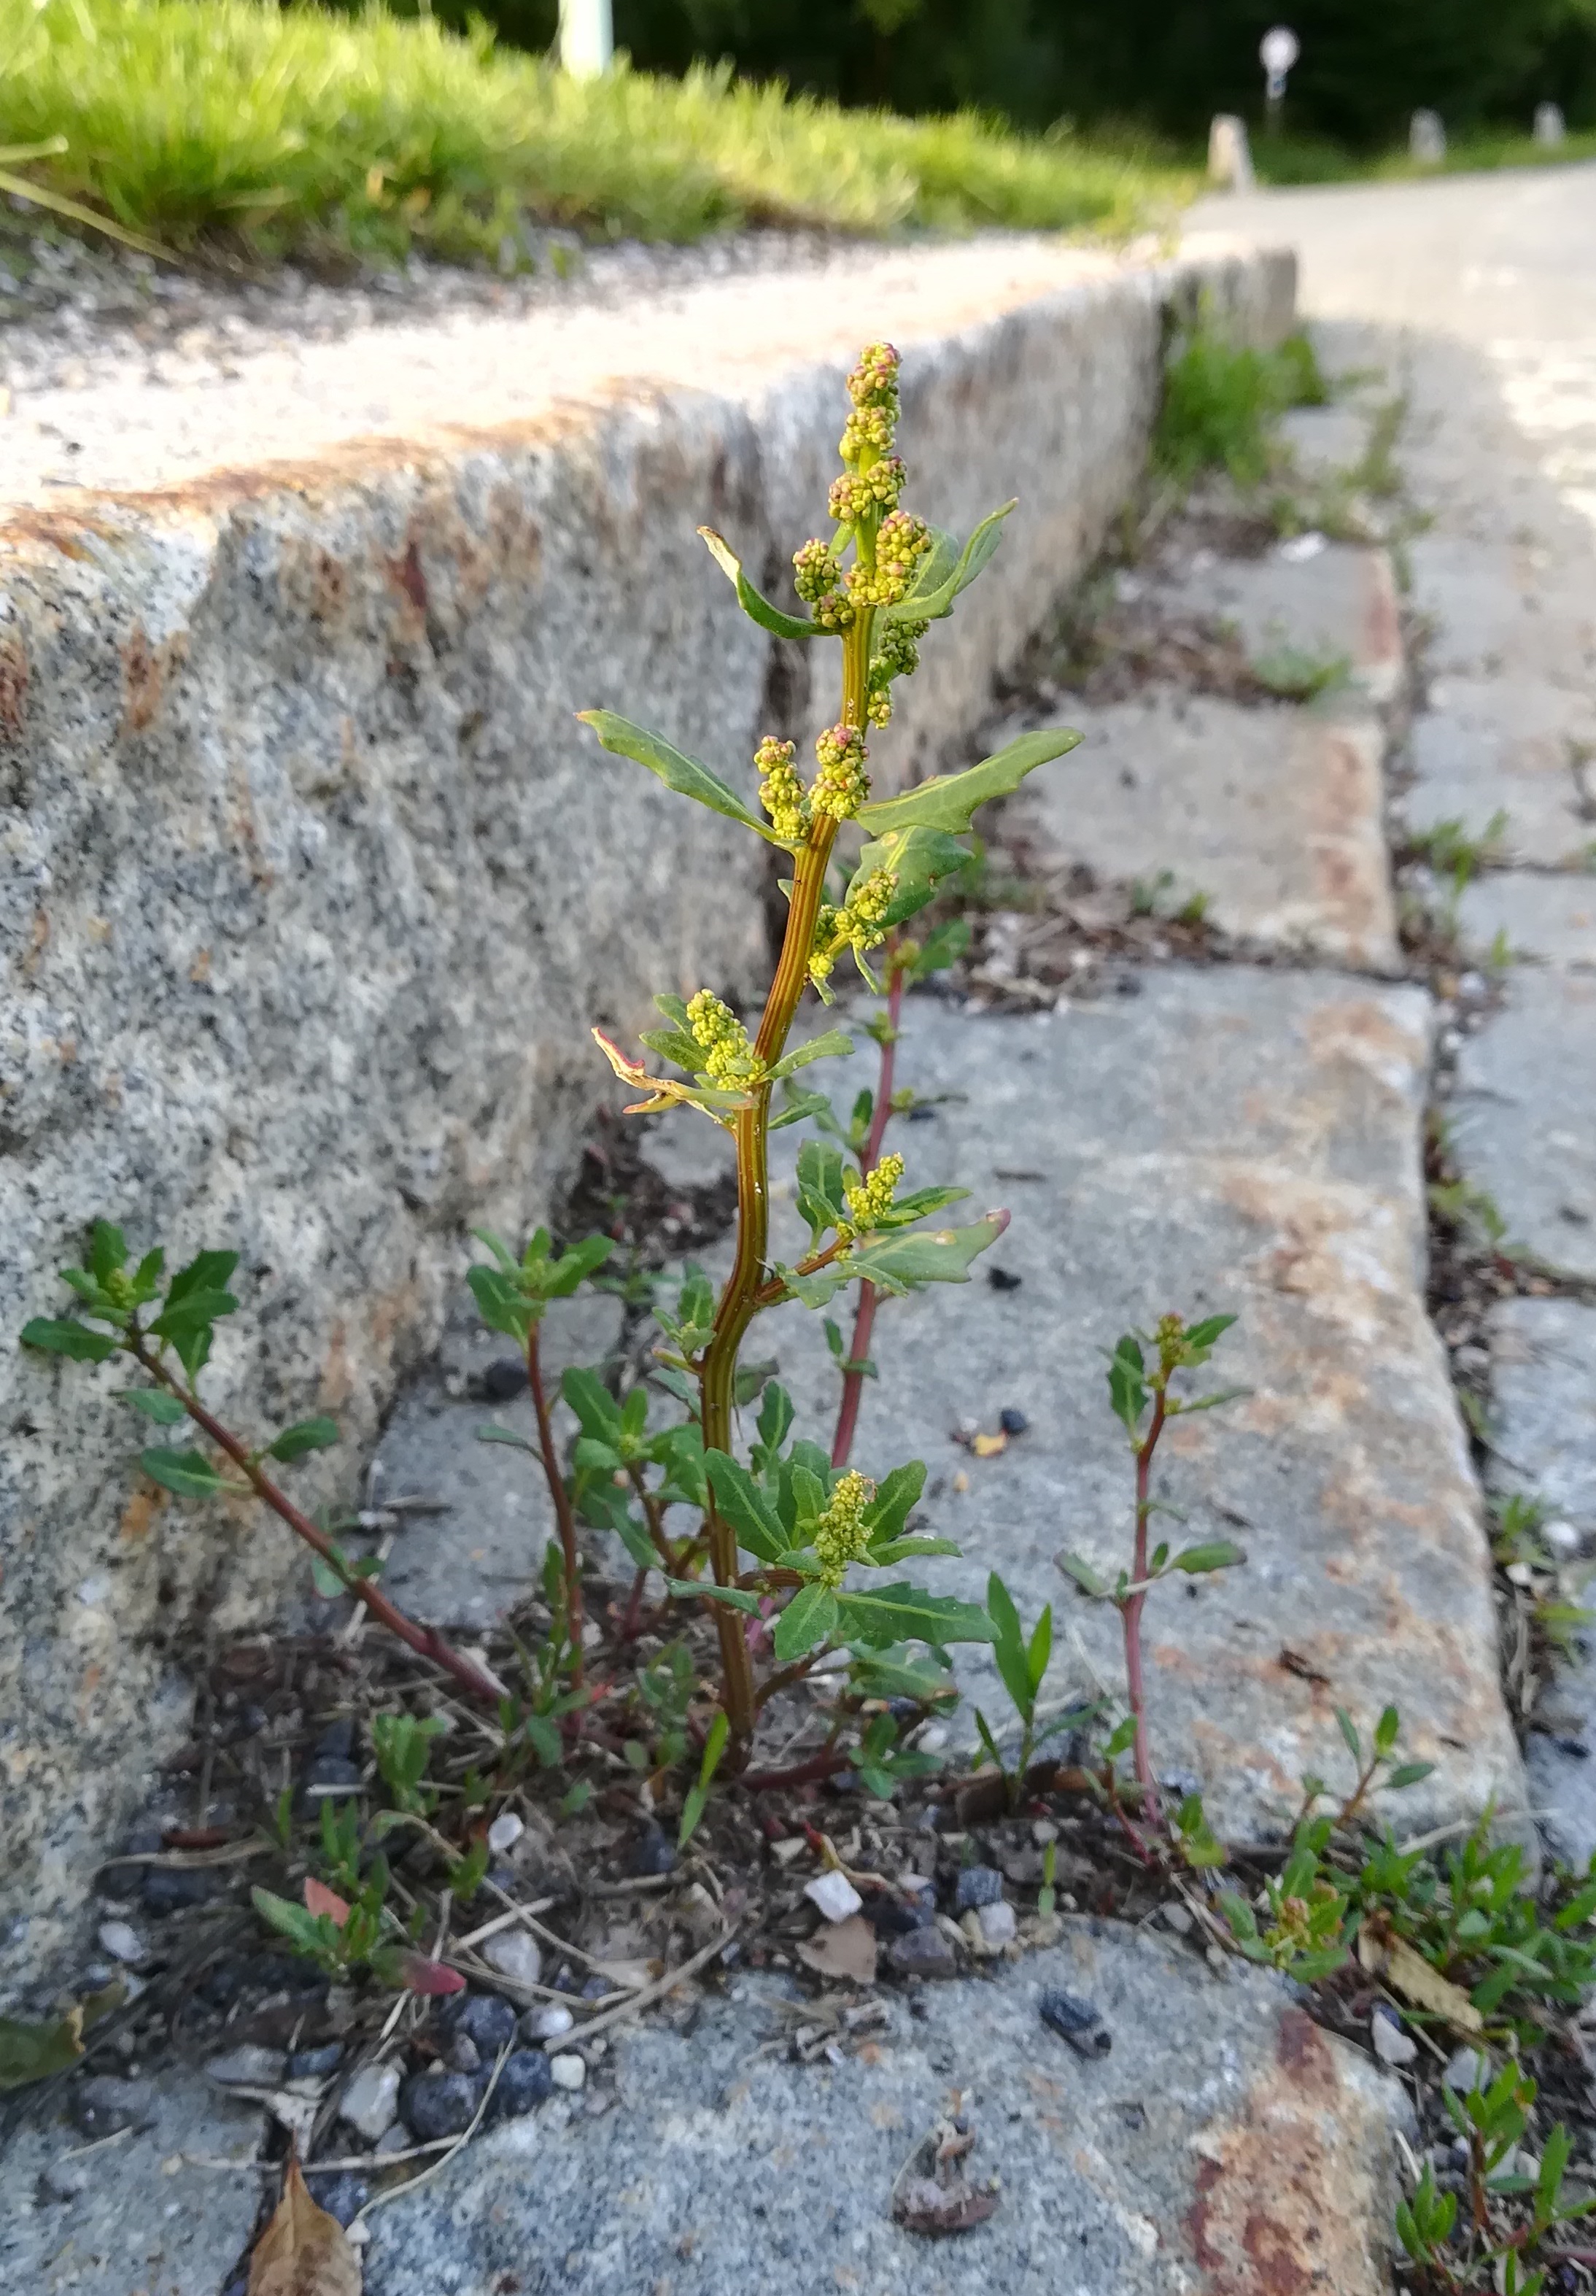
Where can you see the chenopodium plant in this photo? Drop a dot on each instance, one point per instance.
(788, 1533)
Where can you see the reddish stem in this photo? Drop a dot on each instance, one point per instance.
(802, 1774)
(425, 1641)
(562, 1506)
(628, 1625)
(865, 1314)
(1131, 1613)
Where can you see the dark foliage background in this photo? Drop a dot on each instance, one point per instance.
(1163, 64)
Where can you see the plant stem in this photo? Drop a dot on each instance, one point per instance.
(425, 1641)
(562, 1504)
(1131, 1613)
(865, 1314)
(739, 1300)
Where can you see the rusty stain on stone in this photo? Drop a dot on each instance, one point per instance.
(13, 687)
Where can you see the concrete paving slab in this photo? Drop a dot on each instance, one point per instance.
(1326, 442)
(1525, 1105)
(1227, 1140)
(1339, 605)
(1224, 2142)
(1539, 914)
(150, 2219)
(1272, 814)
(1500, 607)
(1508, 745)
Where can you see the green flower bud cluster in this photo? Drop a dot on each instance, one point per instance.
(897, 655)
(902, 538)
(867, 434)
(781, 793)
(858, 925)
(874, 382)
(841, 785)
(816, 569)
(842, 1535)
(729, 1058)
(870, 1197)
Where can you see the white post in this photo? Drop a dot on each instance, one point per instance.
(587, 38)
(1426, 138)
(1277, 51)
(1230, 161)
(1549, 129)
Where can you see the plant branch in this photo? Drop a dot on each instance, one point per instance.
(425, 1641)
(561, 1496)
(1132, 1608)
(865, 1314)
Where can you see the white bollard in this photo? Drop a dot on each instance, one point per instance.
(587, 38)
(1550, 128)
(1230, 161)
(1426, 139)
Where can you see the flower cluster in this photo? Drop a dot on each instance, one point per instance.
(857, 492)
(729, 1058)
(842, 1535)
(816, 569)
(858, 925)
(896, 654)
(781, 793)
(902, 540)
(868, 1198)
(841, 785)
(874, 382)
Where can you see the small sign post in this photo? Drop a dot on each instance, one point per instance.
(587, 38)
(1277, 51)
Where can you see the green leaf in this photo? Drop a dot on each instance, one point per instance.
(1204, 1334)
(705, 1590)
(493, 1434)
(1041, 1648)
(208, 1271)
(154, 1403)
(195, 1311)
(949, 800)
(939, 949)
(107, 1251)
(876, 1616)
(820, 1289)
(1407, 1774)
(302, 1930)
(934, 595)
(501, 1302)
(1344, 1723)
(1215, 1555)
(920, 859)
(305, 1435)
(1386, 1730)
(895, 1501)
(1009, 1645)
(800, 1107)
(835, 1042)
(900, 1550)
(60, 1336)
(758, 609)
(810, 1618)
(1076, 1567)
(188, 1473)
(901, 1261)
(896, 1673)
(744, 1506)
(1122, 1738)
(592, 1403)
(820, 1198)
(681, 774)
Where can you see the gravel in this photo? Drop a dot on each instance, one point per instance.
(568, 2072)
(1075, 2020)
(526, 2078)
(515, 1955)
(248, 2067)
(977, 1885)
(440, 2104)
(485, 2018)
(342, 2195)
(547, 2021)
(370, 2101)
(102, 2104)
(167, 1890)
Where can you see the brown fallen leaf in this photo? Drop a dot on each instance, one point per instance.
(1385, 1955)
(303, 2251)
(923, 2205)
(845, 1949)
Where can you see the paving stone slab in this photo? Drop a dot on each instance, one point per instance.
(1506, 745)
(1543, 1436)
(1524, 1108)
(1326, 442)
(1225, 2143)
(151, 2219)
(1540, 913)
(1499, 607)
(1227, 1140)
(1339, 605)
(1273, 813)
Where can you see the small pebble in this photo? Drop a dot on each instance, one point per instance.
(1562, 1537)
(166, 1889)
(101, 2104)
(440, 2104)
(370, 2103)
(486, 2019)
(464, 2055)
(568, 2072)
(923, 1953)
(504, 1379)
(249, 2067)
(330, 1776)
(890, 1917)
(314, 2064)
(1392, 2046)
(343, 2195)
(977, 1885)
(652, 1852)
(515, 1955)
(1178, 1917)
(1011, 1421)
(395, 2139)
(121, 1940)
(504, 1833)
(547, 2021)
(834, 1895)
(594, 1989)
(1002, 1280)
(1466, 2069)
(998, 1923)
(1077, 2021)
(525, 2080)
(337, 1741)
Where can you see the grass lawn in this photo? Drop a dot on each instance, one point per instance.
(322, 135)
(1286, 160)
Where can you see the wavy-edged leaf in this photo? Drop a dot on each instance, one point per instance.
(154, 1403)
(665, 1092)
(896, 1494)
(758, 609)
(743, 1505)
(305, 1435)
(1076, 1567)
(819, 1289)
(58, 1335)
(933, 594)
(705, 1590)
(878, 1616)
(188, 1473)
(820, 1198)
(902, 1261)
(674, 768)
(948, 801)
(835, 1043)
(900, 1550)
(809, 1619)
